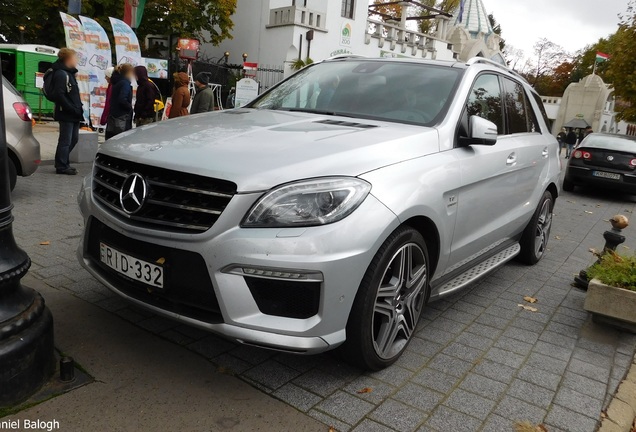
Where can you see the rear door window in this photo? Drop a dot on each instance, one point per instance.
(519, 113)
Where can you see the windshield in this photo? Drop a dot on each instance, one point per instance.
(610, 142)
(412, 93)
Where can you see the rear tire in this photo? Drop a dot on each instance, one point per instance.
(534, 240)
(568, 185)
(389, 302)
(13, 174)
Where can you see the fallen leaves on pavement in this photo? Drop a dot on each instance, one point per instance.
(528, 308)
(45, 243)
(529, 427)
(332, 429)
(365, 390)
(530, 299)
(589, 212)
(557, 237)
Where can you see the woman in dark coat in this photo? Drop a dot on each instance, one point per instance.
(180, 96)
(121, 109)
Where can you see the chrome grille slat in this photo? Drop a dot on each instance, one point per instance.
(176, 201)
(188, 189)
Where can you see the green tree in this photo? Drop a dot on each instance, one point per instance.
(207, 20)
(621, 68)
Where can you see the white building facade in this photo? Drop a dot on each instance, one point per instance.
(279, 32)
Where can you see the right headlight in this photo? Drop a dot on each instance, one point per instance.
(308, 203)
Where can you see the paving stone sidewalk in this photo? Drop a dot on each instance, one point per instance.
(478, 362)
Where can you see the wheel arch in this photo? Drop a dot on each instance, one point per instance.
(429, 231)
(554, 190)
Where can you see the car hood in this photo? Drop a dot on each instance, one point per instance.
(259, 149)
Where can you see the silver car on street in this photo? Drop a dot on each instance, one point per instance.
(327, 212)
(23, 147)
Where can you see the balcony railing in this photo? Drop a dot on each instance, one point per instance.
(295, 15)
(392, 36)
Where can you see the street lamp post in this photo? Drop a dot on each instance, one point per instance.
(27, 357)
(22, 29)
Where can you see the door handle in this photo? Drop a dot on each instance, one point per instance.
(545, 153)
(512, 159)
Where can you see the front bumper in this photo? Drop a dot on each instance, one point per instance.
(339, 253)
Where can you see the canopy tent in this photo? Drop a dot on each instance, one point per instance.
(576, 123)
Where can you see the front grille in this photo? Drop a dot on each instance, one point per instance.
(187, 291)
(290, 299)
(176, 201)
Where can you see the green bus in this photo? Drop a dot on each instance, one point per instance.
(20, 63)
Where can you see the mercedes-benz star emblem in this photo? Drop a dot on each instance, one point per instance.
(610, 158)
(133, 193)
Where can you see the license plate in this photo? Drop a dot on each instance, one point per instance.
(607, 175)
(134, 268)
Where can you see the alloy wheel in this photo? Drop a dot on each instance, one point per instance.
(399, 301)
(544, 223)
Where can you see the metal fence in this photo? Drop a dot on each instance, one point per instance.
(269, 75)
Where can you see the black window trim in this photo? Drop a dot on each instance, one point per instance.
(525, 92)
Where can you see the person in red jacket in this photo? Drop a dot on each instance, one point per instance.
(109, 92)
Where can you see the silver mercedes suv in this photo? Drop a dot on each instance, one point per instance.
(331, 209)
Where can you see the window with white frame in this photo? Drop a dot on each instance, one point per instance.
(347, 8)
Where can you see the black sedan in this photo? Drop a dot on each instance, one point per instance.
(603, 160)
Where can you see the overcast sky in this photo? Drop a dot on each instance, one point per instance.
(569, 23)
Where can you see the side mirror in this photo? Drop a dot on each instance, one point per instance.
(482, 131)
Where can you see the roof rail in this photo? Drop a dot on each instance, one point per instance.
(483, 60)
(344, 56)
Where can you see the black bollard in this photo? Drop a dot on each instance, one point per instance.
(613, 238)
(27, 357)
(67, 369)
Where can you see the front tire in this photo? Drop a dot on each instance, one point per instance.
(13, 174)
(534, 241)
(389, 302)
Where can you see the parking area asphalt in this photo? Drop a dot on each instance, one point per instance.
(479, 361)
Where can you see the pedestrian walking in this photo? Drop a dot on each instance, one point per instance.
(561, 139)
(204, 97)
(588, 130)
(146, 95)
(229, 103)
(68, 107)
(109, 90)
(121, 109)
(570, 141)
(581, 137)
(180, 96)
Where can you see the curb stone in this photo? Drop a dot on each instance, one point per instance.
(622, 410)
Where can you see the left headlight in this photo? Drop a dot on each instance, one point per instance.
(308, 203)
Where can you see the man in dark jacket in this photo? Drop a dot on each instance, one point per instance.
(204, 99)
(146, 95)
(570, 140)
(68, 108)
(121, 109)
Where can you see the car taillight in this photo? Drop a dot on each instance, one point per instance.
(632, 162)
(578, 154)
(23, 111)
(587, 155)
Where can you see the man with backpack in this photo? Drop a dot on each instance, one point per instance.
(60, 86)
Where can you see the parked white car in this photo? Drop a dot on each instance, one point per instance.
(328, 211)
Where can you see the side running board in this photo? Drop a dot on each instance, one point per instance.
(479, 270)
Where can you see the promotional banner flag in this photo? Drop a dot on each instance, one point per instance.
(75, 40)
(127, 48)
(99, 59)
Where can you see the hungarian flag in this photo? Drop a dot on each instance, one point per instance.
(601, 57)
(133, 12)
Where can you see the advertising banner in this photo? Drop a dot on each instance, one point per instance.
(75, 40)
(127, 48)
(157, 68)
(99, 59)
